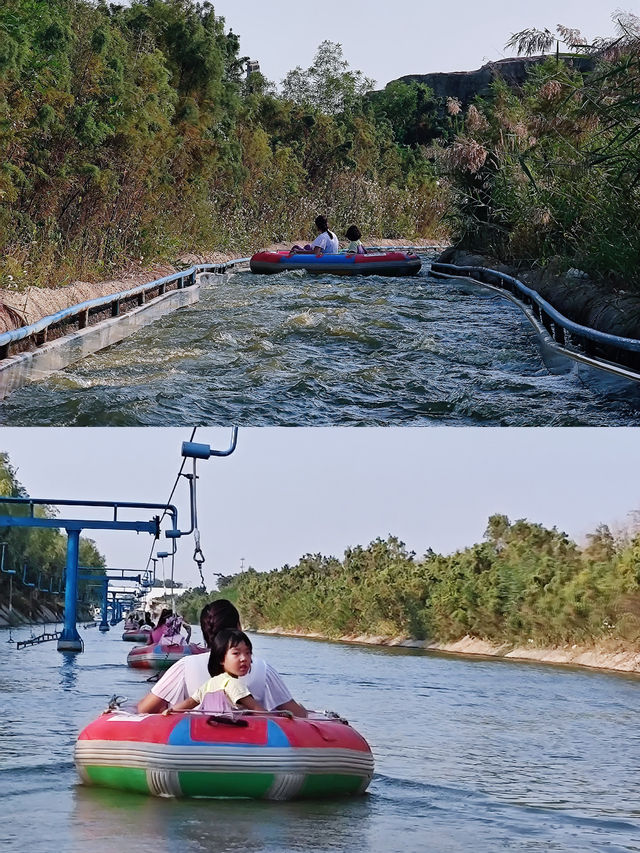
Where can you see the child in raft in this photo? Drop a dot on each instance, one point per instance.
(229, 660)
(355, 246)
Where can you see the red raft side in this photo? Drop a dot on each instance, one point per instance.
(266, 756)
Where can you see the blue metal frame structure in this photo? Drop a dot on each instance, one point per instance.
(70, 639)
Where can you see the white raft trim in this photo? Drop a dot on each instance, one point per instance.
(216, 758)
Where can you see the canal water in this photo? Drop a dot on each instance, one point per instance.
(297, 349)
(471, 755)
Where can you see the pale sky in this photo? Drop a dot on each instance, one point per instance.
(388, 40)
(287, 492)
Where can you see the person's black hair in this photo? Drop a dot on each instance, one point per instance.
(353, 233)
(322, 225)
(222, 642)
(164, 616)
(216, 616)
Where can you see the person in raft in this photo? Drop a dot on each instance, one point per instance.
(229, 661)
(184, 677)
(355, 246)
(326, 241)
(160, 630)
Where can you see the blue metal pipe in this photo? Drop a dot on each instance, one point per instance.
(631, 344)
(104, 624)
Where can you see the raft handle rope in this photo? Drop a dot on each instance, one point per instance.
(115, 702)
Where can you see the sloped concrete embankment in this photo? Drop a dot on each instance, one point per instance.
(612, 655)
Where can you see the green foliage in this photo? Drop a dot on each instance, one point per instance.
(327, 85)
(129, 133)
(554, 171)
(38, 554)
(524, 583)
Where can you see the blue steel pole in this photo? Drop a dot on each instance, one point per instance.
(104, 625)
(70, 640)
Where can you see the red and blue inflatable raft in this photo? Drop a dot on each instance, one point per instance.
(384, 263)
(159, 656)
(193, 754)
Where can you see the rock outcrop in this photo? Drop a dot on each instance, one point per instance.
(466, 85)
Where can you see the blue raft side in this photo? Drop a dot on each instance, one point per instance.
(181, 736)
(323, 260)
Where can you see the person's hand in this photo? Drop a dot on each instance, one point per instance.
(318, 252)
(167, 711)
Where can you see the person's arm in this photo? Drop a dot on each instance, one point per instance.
(250, 704)
(169, 689)
(185, 705)
(294, 708)
(278, 696)
(152, 704)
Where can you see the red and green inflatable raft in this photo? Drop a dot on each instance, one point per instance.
(159, 656)
(193, 754)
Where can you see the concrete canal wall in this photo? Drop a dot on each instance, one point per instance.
(45, 359)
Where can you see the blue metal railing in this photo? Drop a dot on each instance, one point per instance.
(80, 313)
(569, 336)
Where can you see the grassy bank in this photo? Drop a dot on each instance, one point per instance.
(524, 586)
(549, 177)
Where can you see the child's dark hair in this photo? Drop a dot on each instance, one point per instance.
(353, 233)
(222, 642)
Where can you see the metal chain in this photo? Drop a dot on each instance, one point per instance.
(198, 556)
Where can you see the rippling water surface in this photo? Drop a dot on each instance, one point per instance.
(297, 349)
(471, 755)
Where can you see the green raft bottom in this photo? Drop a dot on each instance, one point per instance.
(251, 785)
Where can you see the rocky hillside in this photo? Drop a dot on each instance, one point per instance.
(466, 85)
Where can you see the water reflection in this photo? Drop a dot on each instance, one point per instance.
(69, 670)
(106, 819)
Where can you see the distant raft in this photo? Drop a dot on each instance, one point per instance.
(383, 263)
(193, 754)
(136, 635)
(160, 656)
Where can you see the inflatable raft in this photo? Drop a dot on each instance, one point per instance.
(136, 635)
(193, 754)
(384, 263)
(159, 656)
